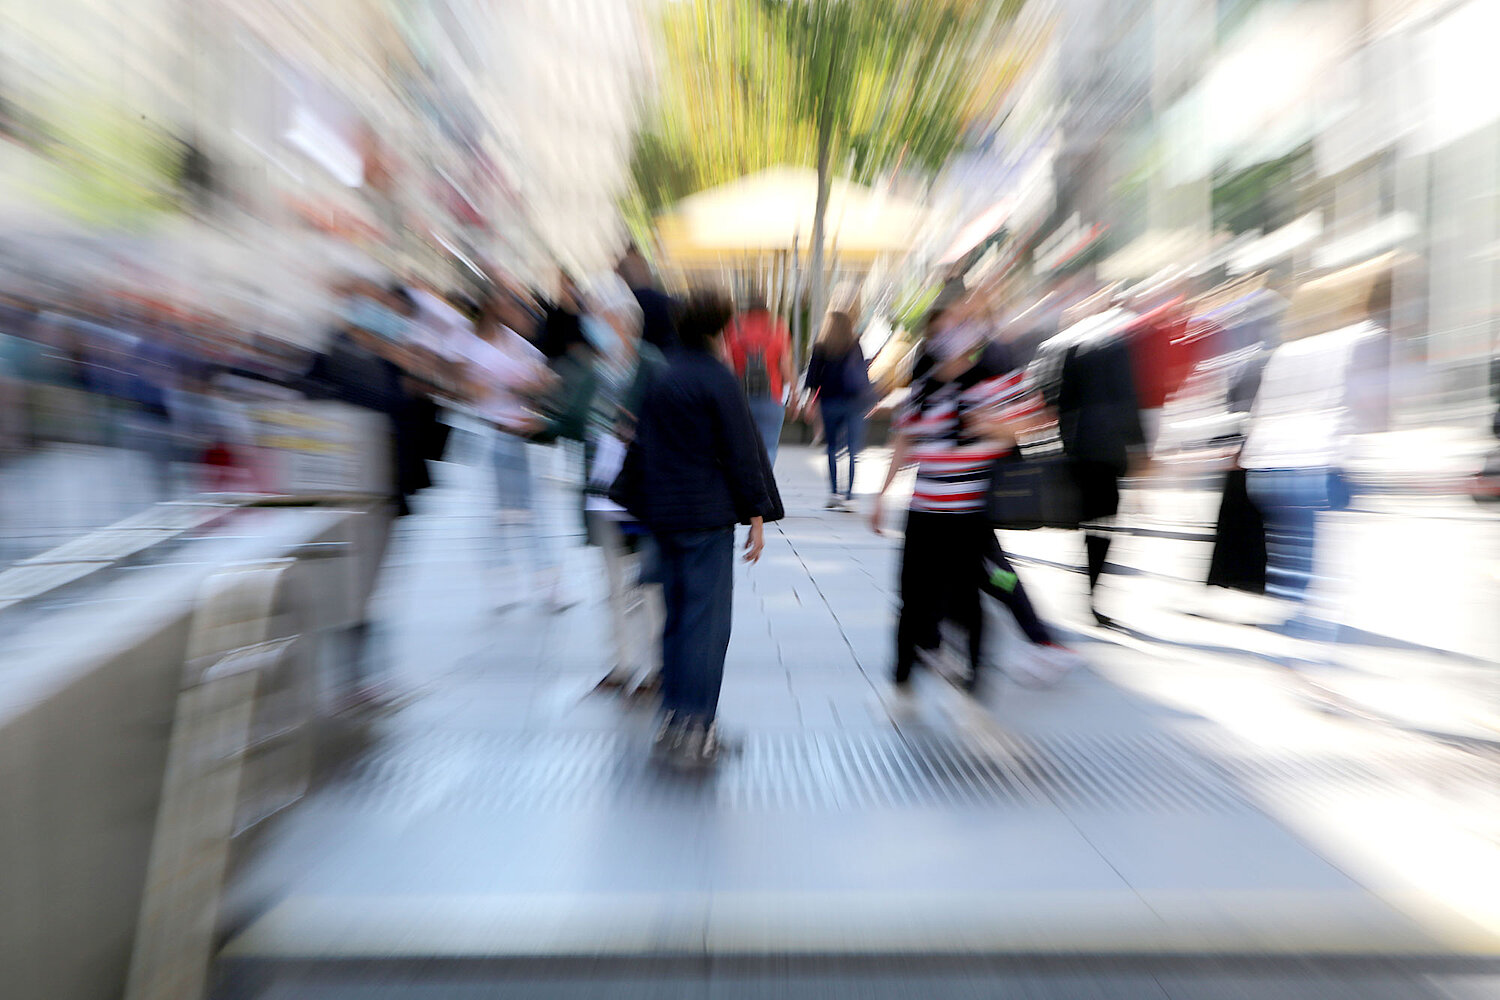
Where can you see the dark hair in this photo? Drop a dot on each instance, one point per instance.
(702, 319)
(632, 267)
(837, 336)
(465, 305)
(933, 315)
(405, 302)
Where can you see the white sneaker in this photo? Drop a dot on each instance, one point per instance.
(900, 704)
(834, 502)
(1042, 666)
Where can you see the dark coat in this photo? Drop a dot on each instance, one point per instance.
(696, 462)
(1094, 393)
(562, 331)
(352, 374)
(842, 378)
(658, 328)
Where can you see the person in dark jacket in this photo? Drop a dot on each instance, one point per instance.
(562, 329)
(695, 469)
(1086, 374)
(351, 371)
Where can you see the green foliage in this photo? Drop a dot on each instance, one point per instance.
(1256, 197)
(914, 305)
(749, 84)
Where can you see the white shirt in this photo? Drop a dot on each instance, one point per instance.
(439, 327)
(502, 367)
(1315, 394)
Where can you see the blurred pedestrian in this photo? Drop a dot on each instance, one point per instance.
(694, 470)
(1316, 393)
(624, 367)
(759, 349)
(965, 410)
(562, 330)
(354, 369)
(505, 373)
(509, 380)
(1087, 375)
(840, 383)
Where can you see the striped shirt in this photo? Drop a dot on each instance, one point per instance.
(953, 468)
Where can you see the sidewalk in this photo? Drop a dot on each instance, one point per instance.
(1150, 805)
(1409, 587)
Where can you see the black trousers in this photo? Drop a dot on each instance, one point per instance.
(947, 563)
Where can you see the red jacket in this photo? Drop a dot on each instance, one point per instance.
(1160, 352)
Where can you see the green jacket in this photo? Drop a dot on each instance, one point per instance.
(567, 412)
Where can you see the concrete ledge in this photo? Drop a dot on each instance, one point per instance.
(87, 697)
(1123, 922)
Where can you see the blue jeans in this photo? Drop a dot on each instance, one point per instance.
(843, 429)
(768, 414)
(1289, 500)
(697, 573)
(512, 472)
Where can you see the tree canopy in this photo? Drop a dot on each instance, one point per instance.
(748, 84)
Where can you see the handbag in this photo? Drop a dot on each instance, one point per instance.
(1238, 561)
(1033, 488)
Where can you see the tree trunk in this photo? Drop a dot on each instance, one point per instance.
(815, 263)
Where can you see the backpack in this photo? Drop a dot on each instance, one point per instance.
(756, 378)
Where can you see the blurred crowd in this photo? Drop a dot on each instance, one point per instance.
(128, 372)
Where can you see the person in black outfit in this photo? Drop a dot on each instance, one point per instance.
(357, 369)
(353, 370)
(562, 329)
(694, 470)
(1085, 374)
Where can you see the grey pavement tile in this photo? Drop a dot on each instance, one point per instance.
(817, 713)
(1309, 983)
(758, 659)
(449, 714)
(831, 674)
(1465, 986)
(455, 854)
(829, 684)
(760, 711)
(1187, 851)
(806, 654)
(827, 652)
(813, 625)
(914, 850)
(418, 981)
(893, 977)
